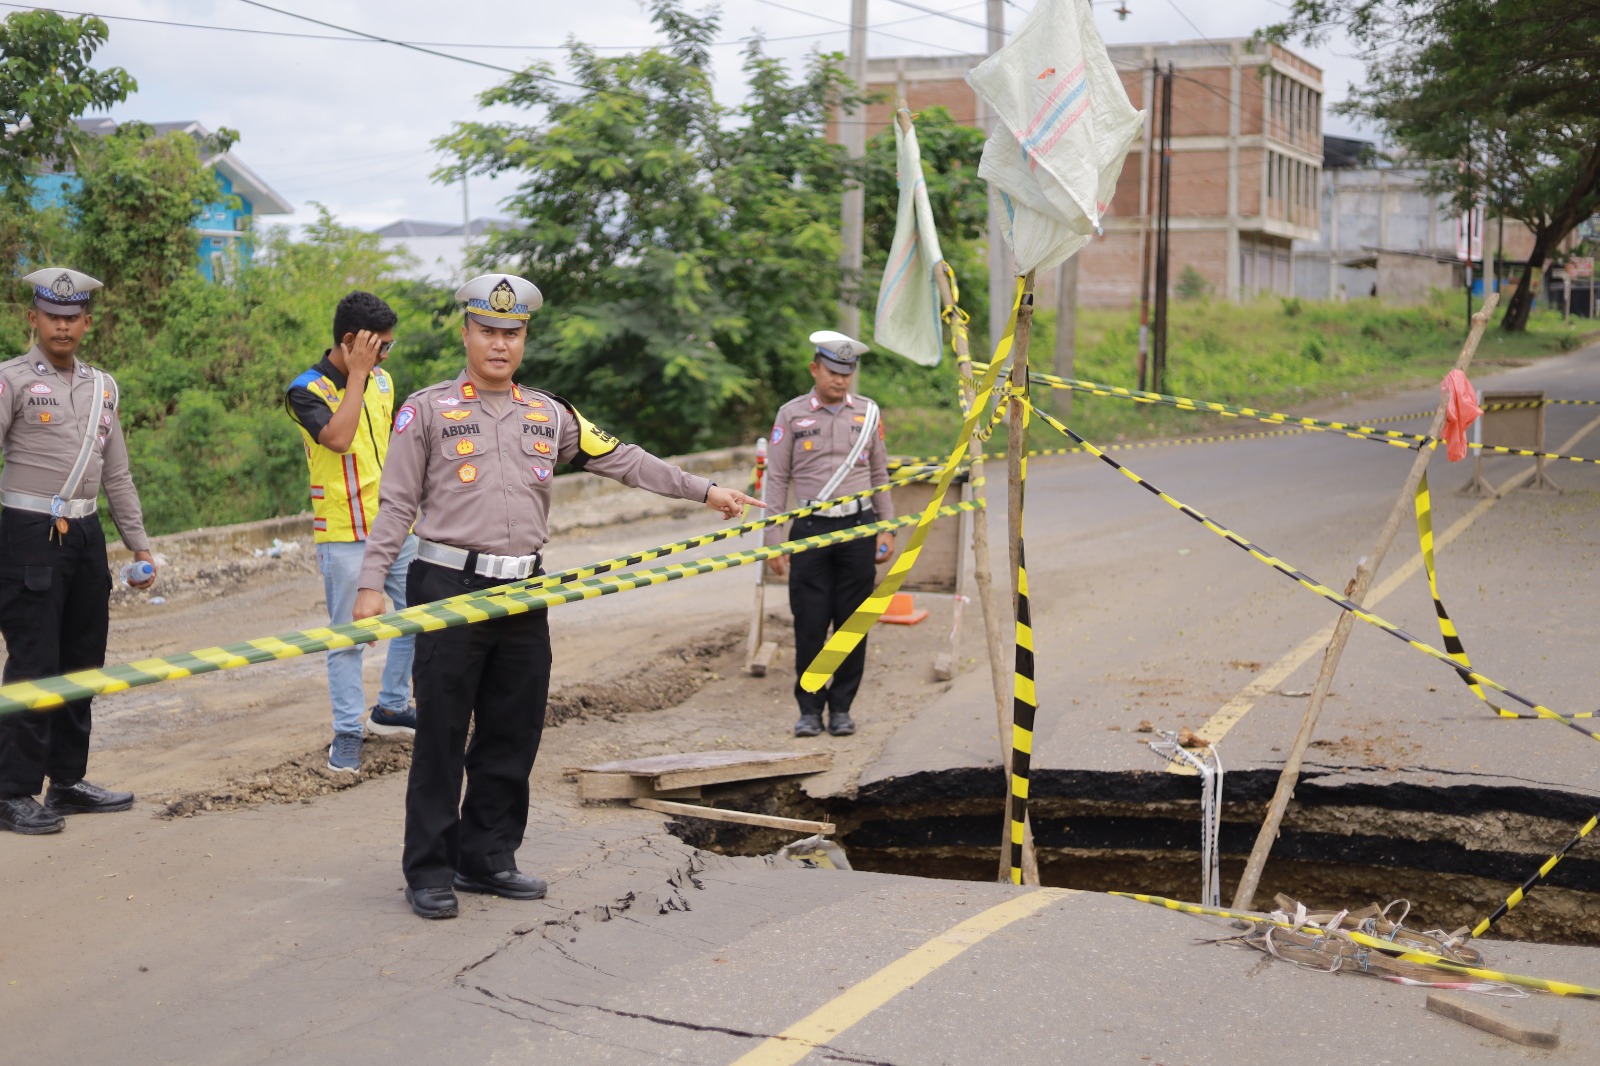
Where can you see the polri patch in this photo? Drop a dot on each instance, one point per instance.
(465, 447)
(40, 388)
(403, 419)
(777, 434)
(541, 473)
(456, 415)
(468, 473)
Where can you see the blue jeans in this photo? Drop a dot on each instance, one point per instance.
(340, 563)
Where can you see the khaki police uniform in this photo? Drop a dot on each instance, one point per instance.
(55, 585)
(474, 475)
(826, 585)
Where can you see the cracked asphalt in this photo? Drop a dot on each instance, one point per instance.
(275, 933)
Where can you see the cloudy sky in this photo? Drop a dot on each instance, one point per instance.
(348, 123)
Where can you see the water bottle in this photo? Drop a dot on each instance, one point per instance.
(138, 570)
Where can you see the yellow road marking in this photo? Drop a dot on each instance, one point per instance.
(1231, 713)
(849, 1007)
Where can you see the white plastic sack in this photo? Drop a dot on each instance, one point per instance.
(907, 319)
(1065, 127)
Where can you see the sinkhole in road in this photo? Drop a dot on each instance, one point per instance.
(1455, 852)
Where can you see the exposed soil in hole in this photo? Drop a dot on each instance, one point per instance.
(1454, 868)
(675, 677)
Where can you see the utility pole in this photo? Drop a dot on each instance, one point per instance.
(466, 229)
(1001, 278)
(1158, 370)
(853, 135)
(1145, 257)
(1066, 356)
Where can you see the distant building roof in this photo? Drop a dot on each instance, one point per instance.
(264, 200)
(1342, 153)
(411, 227)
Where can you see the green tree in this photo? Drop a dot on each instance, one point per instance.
(684, 249)
(1500, 97)
(134, 207)
(46, 83)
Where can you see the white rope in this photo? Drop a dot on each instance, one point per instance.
(1210, 771)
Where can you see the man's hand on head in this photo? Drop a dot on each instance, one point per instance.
(361, 354)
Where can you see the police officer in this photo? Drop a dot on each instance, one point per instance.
(470, 463)
(829, 443)
(62, 441)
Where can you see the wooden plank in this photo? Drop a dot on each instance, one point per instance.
(626, 786)
(779, 766)
(688, 769)
(1494, 1018)
(717, 814)
(761, 661)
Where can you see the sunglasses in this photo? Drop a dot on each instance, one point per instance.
(383, 349)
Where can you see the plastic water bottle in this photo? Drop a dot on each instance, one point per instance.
(138, 570)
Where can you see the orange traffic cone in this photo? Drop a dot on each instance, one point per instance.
(902, 612)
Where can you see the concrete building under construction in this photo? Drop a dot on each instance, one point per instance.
(1246, 161)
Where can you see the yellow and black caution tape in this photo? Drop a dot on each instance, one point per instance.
(847, 636)
(517, 598)
(909, 461)
(1538, 875)
(1024, 698)
(1560, 988)
(1317, 587)
(1538, 403)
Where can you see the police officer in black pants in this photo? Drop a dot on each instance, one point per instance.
(470, 464)
(829, 443)
(62, 440)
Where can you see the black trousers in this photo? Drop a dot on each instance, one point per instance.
(54, 614)
(826, 585)
(494, 676)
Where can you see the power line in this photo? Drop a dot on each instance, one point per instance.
(945, 14)
(869, 28)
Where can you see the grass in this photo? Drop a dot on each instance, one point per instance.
(1273, 353)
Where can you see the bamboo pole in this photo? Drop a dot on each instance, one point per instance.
(983, 570)
(1016, 449)
(1366, 570)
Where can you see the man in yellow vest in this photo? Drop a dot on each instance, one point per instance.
(346, 444)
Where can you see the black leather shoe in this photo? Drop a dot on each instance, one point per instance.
(432, 901)
(80, 797)
(511, 884)
(22, 814)
(841, 725)
(809, 725)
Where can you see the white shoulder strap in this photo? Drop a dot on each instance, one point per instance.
(869, 426)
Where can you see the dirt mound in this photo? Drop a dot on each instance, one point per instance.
(296, 780)
(677, 675)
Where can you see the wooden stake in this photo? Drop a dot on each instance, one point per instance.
(1016, 448)
(1366, 570)
(717, 814)
(983, 572)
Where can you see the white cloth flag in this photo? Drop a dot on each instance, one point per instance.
(907, 319)
(1065, 126)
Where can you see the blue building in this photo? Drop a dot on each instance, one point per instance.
(223, 226)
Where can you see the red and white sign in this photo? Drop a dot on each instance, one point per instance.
(1469, 234)
(1580, 267)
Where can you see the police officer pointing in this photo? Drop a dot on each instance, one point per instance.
(62, 440)
(470, 463)
(829, 443)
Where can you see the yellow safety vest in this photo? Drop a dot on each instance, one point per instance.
(344, 485)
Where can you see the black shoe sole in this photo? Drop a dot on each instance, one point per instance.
(33, 831)
(461, 884)
(63, 809)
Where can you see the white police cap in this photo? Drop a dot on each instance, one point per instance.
(842, 353)
(61, 291)
(500, 299)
